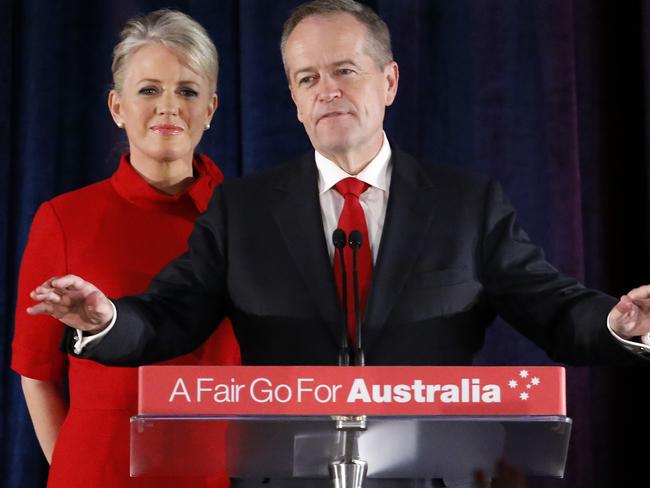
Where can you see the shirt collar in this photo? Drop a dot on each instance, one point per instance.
(131, 186)
(376, 173)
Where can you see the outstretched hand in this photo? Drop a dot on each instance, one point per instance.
(631, 315)
(74, 301)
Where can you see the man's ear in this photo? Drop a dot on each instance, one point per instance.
(391, 72)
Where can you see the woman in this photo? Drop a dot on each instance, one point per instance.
(164, 97)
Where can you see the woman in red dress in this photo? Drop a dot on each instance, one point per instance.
(164, 96)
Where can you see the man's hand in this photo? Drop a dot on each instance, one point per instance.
(74, 302)
(631, 315)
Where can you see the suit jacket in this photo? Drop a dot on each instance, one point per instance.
(451, 257)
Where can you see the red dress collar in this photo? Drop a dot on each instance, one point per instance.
(131, 186)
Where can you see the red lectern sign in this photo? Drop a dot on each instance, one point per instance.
(331, 390)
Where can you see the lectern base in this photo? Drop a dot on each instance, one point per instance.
(348, 474)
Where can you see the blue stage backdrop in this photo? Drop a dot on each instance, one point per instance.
(549, 96)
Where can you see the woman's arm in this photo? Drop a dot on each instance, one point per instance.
(47, 407)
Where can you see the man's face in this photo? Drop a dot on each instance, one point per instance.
(340, 92)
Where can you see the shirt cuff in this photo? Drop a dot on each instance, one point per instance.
(81, 341)
(642, 347)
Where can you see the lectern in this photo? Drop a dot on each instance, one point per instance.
(290, 426)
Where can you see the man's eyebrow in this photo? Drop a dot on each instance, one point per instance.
(335, 64)
(345, 61)
(304, 70)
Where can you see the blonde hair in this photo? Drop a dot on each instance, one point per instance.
(174, 30)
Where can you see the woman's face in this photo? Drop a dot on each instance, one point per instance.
(164, 106)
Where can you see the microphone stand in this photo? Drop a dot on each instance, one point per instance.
(348, 471)
(339, 241)
(355, 241)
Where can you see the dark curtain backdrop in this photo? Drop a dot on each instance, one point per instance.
(549, 96)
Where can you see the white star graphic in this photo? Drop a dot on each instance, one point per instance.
(535, 381)
(529, 386)
(523, 373)
(523, 396)
(512, 383)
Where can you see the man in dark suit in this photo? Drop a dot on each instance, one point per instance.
(445, 251)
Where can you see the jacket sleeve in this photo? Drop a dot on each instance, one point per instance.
(182, 306)
(559, 314)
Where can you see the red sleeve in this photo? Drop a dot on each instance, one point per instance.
(35, 348)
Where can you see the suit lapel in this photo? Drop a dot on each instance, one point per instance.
(411, 207)
(298, 215)
(408, 216)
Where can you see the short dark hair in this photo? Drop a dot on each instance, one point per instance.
(378, 34)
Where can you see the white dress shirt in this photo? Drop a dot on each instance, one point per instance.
(373, 201)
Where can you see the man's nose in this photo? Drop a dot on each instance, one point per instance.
(329, 89)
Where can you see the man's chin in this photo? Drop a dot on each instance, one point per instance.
(334, 141)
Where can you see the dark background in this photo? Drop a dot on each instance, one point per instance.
(549, 96)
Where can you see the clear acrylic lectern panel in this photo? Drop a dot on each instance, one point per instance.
(303, 447)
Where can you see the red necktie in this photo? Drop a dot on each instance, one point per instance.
(353, 218)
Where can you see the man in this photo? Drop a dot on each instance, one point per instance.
(445, 252)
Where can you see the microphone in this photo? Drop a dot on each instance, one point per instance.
(339, 241)
(355, 240)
